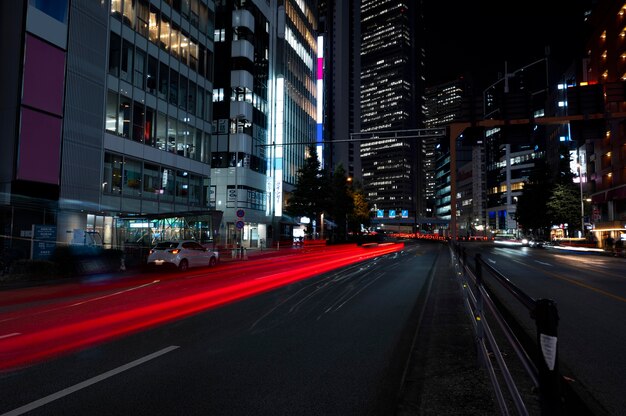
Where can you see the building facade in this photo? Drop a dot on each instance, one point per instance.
(294, 123)
(112, 127)
(512, 151)
(392, 67)
(265, 114)
(245, 44)
(605, 67)
(341, 27)
(443, 105)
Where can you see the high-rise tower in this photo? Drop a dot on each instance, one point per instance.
(340, 26)
(392, 67)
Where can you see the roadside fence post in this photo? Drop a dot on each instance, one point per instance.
(546, 317)
(464, 256)
(479, 303)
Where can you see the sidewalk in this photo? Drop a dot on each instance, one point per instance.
(444, 376)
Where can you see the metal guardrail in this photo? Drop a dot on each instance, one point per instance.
(543, 370)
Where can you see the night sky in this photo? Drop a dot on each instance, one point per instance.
(477, 37)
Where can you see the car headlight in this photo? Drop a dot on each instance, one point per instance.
(524, 241)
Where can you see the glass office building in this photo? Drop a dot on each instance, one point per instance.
(111, 131)
(392, 68)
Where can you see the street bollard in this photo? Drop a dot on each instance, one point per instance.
(546, 317)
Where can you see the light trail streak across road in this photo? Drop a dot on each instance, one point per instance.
(32, 331)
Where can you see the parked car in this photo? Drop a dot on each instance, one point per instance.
(182, 254)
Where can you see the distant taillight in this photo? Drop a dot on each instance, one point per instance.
(175, 251)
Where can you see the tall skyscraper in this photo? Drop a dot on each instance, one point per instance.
(341, 27)
(245, 38)
(392, 68)
(264, 113)
(293, 125)
(443, 106)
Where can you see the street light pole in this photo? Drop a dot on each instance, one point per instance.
(582, 201)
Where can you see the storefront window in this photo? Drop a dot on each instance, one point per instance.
(149, 129)
(112, 181)
(115, 46)
(172, 126)
(161, 132)
(131, 184)
(123, 117)
(138, 121)
(151, 181)
(111, 116)
(182, 137)
(167, 184)
(163, 80)
(195, 190)
(126, 72)
(182, 186)
(151, 75)
(140, 68)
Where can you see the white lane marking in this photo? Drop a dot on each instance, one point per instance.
(491, 261)
(334, 308)
(83, 302)
(115, 293)
(544, 263)
(9, 335)
(65, 392)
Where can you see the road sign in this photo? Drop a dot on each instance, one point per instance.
(239, 224)
(240, 213)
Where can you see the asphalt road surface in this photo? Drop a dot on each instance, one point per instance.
(333, 344)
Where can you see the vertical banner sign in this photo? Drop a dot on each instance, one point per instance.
(43, 242)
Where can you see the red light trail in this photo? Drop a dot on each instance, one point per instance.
(41, 323)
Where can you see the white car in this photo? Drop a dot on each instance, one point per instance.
(182, 254)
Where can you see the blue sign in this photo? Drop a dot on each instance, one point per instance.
(239, 224)
(44, 241)
(405, 213)
(240, 213)
(380, 213)
(392, 213)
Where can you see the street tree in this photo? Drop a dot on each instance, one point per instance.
(563, 207)
(307, 198)
(340, 202)
(361, 213)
